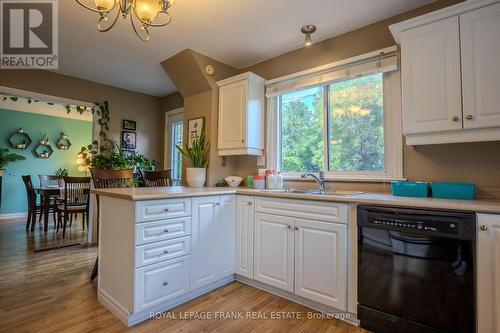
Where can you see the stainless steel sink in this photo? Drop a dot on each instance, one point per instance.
(313, 192)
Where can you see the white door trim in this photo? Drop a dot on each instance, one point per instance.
(166, 138)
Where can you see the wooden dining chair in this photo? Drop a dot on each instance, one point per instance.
(159, 178)
(33, 207)
(75, 199)
(109, 179)
(45, 181)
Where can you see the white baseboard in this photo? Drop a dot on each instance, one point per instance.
(350, 317)
(12, 216)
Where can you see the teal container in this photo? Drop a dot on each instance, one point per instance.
(463, 191)
(410, 189)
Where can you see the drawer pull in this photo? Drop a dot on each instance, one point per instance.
(165, 252)
(165, 283)
(166, 209)
(165, 230)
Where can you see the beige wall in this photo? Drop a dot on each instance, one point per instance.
(123, 104)
(478, 163)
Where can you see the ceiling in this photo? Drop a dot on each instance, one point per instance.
(238, 33)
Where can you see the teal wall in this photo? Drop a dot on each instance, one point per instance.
(79, 132)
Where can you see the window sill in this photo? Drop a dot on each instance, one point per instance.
(349, 179)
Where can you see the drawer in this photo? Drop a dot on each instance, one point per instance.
(162, 251)
(162, 230)
(313, 210)
(162, 209)
(161, 282)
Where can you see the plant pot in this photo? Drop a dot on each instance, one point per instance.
(196, 177)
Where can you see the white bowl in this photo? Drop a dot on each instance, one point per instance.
(233, 181)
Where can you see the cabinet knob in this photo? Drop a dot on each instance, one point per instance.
(456, 118)
(469, 117)
(166, 209)
(296, 228)
(165, 230)
(242, 140)
(217, 204)
(249, 203)
(288, 227)
(165, 283)
(483, 228)
(165, 252)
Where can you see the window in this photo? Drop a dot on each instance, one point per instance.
(342, 118)
(354, 116)
(177, 129)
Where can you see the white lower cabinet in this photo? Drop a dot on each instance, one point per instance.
(273, 251)
(161, 282)
(488, 273)
(321, 262)
(213, 244)
(304, 256)
(244, 235)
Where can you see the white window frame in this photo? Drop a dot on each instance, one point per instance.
(393, 138)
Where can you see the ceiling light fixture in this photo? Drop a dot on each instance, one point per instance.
(308, 30)
(145, 11)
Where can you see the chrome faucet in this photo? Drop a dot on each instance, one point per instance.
(320, 179)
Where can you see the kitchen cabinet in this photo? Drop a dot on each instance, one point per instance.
(488, 273)
(480, 30)
(226, 219)
(450, 74)
(244, 235)
(213, 240)
(300, 246)
(241, 115)
(320, 261)
(430, 62)
(274, 250)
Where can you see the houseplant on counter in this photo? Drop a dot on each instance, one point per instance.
(198, 156)
(7, 157)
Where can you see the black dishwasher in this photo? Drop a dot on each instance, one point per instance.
(416, 270)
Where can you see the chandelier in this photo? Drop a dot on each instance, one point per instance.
(146, 12)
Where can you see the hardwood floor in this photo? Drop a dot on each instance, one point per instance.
(49, 291)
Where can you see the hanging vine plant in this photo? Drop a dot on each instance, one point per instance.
(99, 109)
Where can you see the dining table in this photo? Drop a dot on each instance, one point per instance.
(46, 192)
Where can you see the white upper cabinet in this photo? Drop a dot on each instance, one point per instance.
(241, 115)
(450, 74)
(430, 62)
(480, 40)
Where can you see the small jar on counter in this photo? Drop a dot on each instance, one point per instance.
(259, 182)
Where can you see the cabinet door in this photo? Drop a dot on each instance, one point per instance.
(321, 262)
(480, 43)
(226, 218)
(431, 89)
(273, 251)
(488, 273)
(205, 242)
(233, 100)
(244, 235)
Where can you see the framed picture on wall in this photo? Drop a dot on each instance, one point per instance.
(129, 125)
(129, 140)
(195, 126)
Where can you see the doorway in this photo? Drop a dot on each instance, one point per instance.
(174, 132)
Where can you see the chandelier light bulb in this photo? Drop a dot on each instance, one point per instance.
(104, 4)
(147, 9)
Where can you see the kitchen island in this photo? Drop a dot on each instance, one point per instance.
(161, 247)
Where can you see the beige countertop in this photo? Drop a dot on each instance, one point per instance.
(154, 193)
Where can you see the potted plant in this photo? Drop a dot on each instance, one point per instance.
(44, 139)
(198, 156)
(61, 173)
(7, 157)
